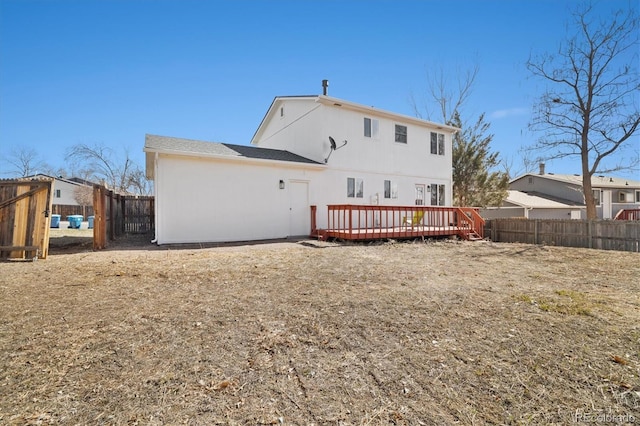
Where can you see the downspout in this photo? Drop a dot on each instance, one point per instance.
(155, 195)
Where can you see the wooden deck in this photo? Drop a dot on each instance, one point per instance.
(363, 222)
(628, 214)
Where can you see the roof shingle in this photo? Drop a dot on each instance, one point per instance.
(155, 143)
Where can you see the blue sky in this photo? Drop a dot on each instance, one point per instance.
(89, 71)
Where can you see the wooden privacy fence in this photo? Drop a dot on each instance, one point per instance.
(116, 215)
(25, 209)
(68, 210)
(598, 234)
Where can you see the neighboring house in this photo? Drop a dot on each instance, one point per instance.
(64, 196)
(553, 196)
(217, 192)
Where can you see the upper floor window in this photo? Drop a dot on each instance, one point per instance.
(401, 133)
(57, 193)
(355, 188)
(437, 143)
(370, 128)
(637, 196)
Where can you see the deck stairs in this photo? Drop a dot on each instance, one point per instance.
(472, 236)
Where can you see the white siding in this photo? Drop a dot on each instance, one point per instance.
(305, 130)
(67, 192)
(205, 200)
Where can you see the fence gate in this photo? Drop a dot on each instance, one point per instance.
(117, 215)
(25, 207)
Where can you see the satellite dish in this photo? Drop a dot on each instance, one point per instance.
(333, 143)
(334, 147)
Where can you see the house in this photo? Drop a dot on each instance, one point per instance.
(559, 196)
(308, 151)
(64, 195)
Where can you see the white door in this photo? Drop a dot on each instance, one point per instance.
(419, 195)
(299, 210)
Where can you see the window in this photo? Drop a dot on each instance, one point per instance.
(437, 143)
(401, 133)
(622, 197)
(57, 195)
(390, 189)
(355, 188)
(596, 196)
(370, 128)
(437, 195)
(637, 196)
(281, 111)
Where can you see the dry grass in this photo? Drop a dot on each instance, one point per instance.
(318, 333)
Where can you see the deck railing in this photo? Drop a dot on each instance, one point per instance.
(368, 222)
(628, 214)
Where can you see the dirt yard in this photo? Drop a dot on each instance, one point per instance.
(301, 333)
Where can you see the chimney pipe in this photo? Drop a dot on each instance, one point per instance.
(541, 168)
(325, 84)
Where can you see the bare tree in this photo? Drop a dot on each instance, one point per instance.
(475, 180)
(24, 161)
(590, 107)
(100, 164)
(84, 196)
(449, 101)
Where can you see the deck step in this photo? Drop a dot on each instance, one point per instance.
(473, 236)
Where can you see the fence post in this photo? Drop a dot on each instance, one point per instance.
(99, 222)
(590, 233)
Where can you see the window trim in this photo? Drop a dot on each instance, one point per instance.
(598, 199)
(355, 187)
(396, 134)
(371, 127)
(437, 144)
(438, 194)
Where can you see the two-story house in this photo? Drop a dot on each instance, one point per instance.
(308, 150)
(560, 196)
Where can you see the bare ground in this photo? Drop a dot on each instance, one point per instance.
(442, 332)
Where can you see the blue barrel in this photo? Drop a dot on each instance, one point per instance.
(75, 221)
(55, 221)
(90, 222)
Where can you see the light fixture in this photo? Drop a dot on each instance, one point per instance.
(281, 184)
(428, 188)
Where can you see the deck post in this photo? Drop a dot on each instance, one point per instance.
(314, 229)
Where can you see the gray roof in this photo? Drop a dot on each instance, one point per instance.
(538, 200)
(597, 181)
(154, 143)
